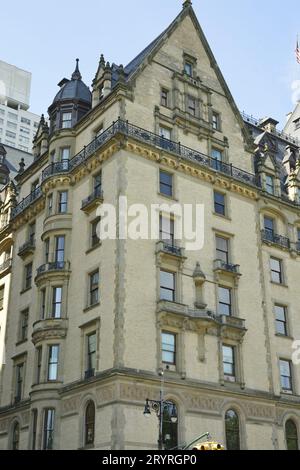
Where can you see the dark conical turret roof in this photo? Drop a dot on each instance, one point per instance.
(74, 89)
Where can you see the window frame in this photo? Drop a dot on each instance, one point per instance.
(288, 377)
(53, 363)
(171, 352)
(93, 289)
(281, 322)
(218, 204)
(48, 428)
(221, 303)
(277, 273)
(163, 184)
(164, 288)
(233, 364)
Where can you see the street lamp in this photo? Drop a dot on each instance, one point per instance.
(159, 406)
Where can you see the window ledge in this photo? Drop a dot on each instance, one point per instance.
(224, 217)
(170, 198)
(279, 335)
(23, 341)
(91, 307)
(93, 248)
(25, 290)
(280, 285)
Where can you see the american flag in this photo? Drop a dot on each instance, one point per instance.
(298, 52)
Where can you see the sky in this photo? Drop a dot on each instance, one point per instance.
(253, 41)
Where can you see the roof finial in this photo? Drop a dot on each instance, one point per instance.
(187, 3)
(76, 74)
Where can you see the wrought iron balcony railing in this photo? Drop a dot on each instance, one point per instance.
(221, 265)
(55, 266)
(89, 374)
(96, 195)
(6, 265)
(33, 196)
(170, 249)
(270, 237)
(147, 137)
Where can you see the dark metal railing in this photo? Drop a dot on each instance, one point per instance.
(33, 196)
(147, 137)
(55, 266)
(271, 237)
(172, 249)
(257, 122)
(233, 268)
(97, 194)
(89, 374)
(7, 264)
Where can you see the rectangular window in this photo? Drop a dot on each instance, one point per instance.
(53, 363)
(217, 156)
(220, 204)
(166, 183)
(13, 116)
(222, 245)
(24, 325)
(91, 353)
(19, 382)
(11, 125)
(166, 229)
(60, 249)
(225, 301)
(270, 187)
(47, 248)
(2, 297)
(94, 288)
(229, 362)
(188, 68)
(276, 270)
(281, 320)
(28, 276)
(67, 120)
(11, 135)
(49, 417)
(31, 233)
(57, 302)
(192, 105)
(164, 97)
(25, 130)
(65, 154)
(165, 133)
(168, 348)
(98, 184)
(25, 121)
(286, 375)
(63, 202)
(167, 286)
(269, 228)
(216, 122)
(49, 205)
(39, 352)
(43, 304)
(95, 240)
(34, 429)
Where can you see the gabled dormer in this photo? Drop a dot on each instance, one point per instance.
(266, 166)
(291, 163)
(40, 141)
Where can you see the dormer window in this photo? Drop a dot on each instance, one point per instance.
(67, 120)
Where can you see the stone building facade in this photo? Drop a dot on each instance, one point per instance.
(91, 323)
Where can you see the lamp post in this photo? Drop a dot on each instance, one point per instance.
(159, 406)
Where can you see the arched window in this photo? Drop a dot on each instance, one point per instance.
(89, 424)
(291, 435)
(232, 427)
(16, 437)
(170, 427)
